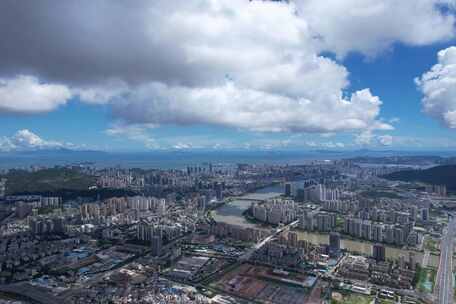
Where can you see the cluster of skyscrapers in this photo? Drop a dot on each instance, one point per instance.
(317, 221)
(44, 225)
(275, 211)
(392, 234)
(114, 206)
(312, 192)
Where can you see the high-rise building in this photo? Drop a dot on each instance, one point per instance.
(413, 238)
(413, 213)
(300, 195)
(352, 226)
(378, 252)
(202, 201)
(440, 190)
(219, 191)
(412, 260)
(316, 193)
(161, 206)
(307, 221)
(334, 243)
(293, 239)
(156, 244)
(402, 217)
(51, 202)
(2, 187)
(23, 209)
(389, 234)
(275, 211)
(401, 262)
(288, 190)
(40, 225)
(377, 232)
(399, 238)
(366, 230)
(425, 214)
(58, 225)
(320, 221)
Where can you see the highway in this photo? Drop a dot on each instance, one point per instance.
(444, 279)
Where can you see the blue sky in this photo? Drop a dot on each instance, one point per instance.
(218, 80)
(391, 76)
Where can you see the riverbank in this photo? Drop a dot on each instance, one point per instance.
(234, 213)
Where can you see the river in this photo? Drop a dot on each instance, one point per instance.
(365, 248)
(232, 213)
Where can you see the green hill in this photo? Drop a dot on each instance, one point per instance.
(440, 175)
(47, 180)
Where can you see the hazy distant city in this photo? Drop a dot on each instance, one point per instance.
(227, 151)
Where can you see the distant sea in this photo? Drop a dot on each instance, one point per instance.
(181, 159)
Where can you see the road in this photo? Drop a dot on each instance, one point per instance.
(444, 280)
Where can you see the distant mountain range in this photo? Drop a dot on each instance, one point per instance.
(412, 160)
(439, 175)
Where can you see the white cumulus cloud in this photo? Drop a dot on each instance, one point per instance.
(372, 26)
(254, 65)
(25, 94)
(25, 140)
(439, 88)
(234, 106)
(385, 140)
(369, 138)
(136, 133)
(246, 73)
